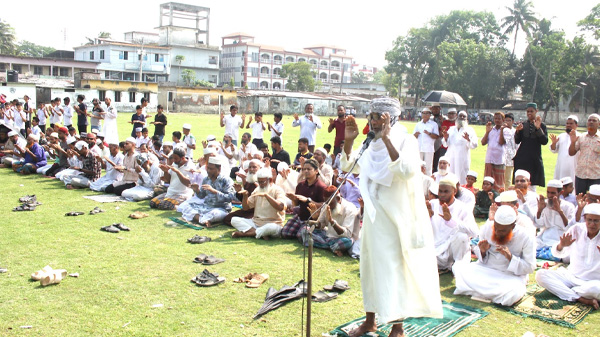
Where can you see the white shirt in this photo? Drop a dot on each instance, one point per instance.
(110, 170)
(565, 164)
(232, 125)
(467, 197)
(176, 187)
(56, 118)
(68, 115)
(19, 121)
(41, 115)
(462, 221)
(189, 139)
(36, 130)
(308, 128)
(288, 184)
(552, 225)
(426, 143)
(344, 214)
(243, 154)
(495, 151)
(584, 254)
(22, 143)
(257, 130)
(279, 128)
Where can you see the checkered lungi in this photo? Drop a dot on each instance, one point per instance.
(496, 172)
(292, 227)
(321, 240)
(162, 202)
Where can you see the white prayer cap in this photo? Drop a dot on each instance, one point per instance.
(218, 160)
(187, 126)
(257, 162)
(566, 181)
(167, 144)
(507, 196)
(462, 113)
(322, 150)
(54, 134)
(452, 110)
(245, 165)
(114, 142)
(282, 166)
(94, 131)
(210, 138)
(555, 183)
(435, 104)
(426, 109)
(71, 140)
(505, 215)
(523, 173)
(81, 144)
(209, 150)
(130, 140)
(489, 180)
(34, 137)
(593, 209)
(595, 190)
(594, 116)
(472, 174)
(213, 143)
(433, 188)
(386, 104)
(264, 172)
(138, 129)
(444, 158)
(12, 133)
(449, 180)
(574, 117)
(100, 134)
(227, 134)
(257, 153)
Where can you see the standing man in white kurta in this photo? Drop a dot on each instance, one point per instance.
(426, 131)
(397, 265)
(309, 123)
(506, 256)
(581, 280)
(565, 164)
(461, 139)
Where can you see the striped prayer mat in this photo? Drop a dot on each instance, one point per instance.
(456, 317)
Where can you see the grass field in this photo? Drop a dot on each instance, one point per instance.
(122, 276)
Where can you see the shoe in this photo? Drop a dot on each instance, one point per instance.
(3, 270)
(24, 207)
(121, 226)
(28, 199)
(110, 229)
(74, 213)
(199, 239)
(138, 215)
(96, 210)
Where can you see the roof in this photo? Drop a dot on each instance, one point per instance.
(120, 43)
(325, 46)
(311, 95)
(232, 35)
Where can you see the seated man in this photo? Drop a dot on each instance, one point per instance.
(60, 150)
(471, 180)
(14, 149)
(268, 202)
(249, 180)
(34, 157)
(553, 218)
(178, 177)
(90, 170)
(453, 225)
(463, 194)
(485, 198)
(350, 191)
(309, 190)
(443, 171)
(580, 281)
(127, 167)
(287, 179)
(149, 178)
(336, 224)
(303, 152)
(427, 180)
(567, 191)
(216, 192)
(528, 199)
(114, 159)
(506, 256)
(593, 196)
(510, 198)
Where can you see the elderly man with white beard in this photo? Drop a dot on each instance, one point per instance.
(268, 203)
(506, 256)
(249, 181)
(461, 139)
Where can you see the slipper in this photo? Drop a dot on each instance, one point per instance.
(3, 270)
(74, 213)
(28, 198)
(96, 210)
(110, 229)
(24, 207)
(210, 260)
(138, 215)
(121, 226)
(38, 275)
(257, 280)
(207, 279)
(200, 258)
(54, 277)
(199, 239)
(338, 285)
(244, 279)
(321, 296)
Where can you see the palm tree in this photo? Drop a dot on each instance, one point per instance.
(7, 39)
(179, 59)
(521, 18)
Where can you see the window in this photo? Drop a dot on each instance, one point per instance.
(102, 54)
(117, 96)
(147, 97)
(170, 96)
(212, 60)
(37, 70)
(132, 97)
(156, 57)
(17, 68)
(55, 71)
(101, 95)
(125, 55)
(91, 55)
(2, 66)
(64, 72)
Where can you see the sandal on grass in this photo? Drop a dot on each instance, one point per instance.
(257, 280)
(338, 285)
(96, 210)
(28, 199)
(121, 226)
(74, 213)
(138, 215)
(244, 279)
(210, 260)
(321, 296)
(199, 239)
(207, 279)
(38, 275)
(23, 208)
(200, 258)
(110, 229)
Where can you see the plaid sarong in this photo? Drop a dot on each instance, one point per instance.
(161, 202)
(496, 172)
(292, 227)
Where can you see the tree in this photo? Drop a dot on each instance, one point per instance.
(380, 76)
(179, 59)
(592, 22)
(231, 82)
(521, 17)
(104, 35)
(359, 77)
(31, 49)
(203, 83)
(8, 44)
(188, 76)
(300, 76)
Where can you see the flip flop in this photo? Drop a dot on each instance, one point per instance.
(96, 210)
(121, 226)
(207, 279)
(321, 296)
(23, 208)
(138, 215)
(200, 258)
(110, 229)
(28, 198)
(257, 280)
(38, 275)
(199, 239)
(338, 285)
(210, 260)
(74, 213)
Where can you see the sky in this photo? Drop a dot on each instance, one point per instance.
(366, 29)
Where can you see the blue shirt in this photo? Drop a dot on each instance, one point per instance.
(39, 153)
(221, 199)
(135, 118)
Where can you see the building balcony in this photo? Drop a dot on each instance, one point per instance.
(335, 68)
(323, 66)
(156, 68)
(277, 62)
(265, 75)
(265, 61)
(335, 81)
(276, 76)
(324, 80)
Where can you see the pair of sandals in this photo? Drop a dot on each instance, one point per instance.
(252, 280)
(29, 202)
(197, 239)
(96, 210)
(138, 215)
(208, 259)
(28, 199)
(115, 228)
(207, 279)
(24, 208)
(328, 293)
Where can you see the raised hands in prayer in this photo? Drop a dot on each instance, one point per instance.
(465, 137)
(195, 187)
(504, 251)
(488, 127)
(429, 209)
(296, 117)
(573, 135)
(519, 127)
(209, 188)
(492, 212)
(554, 139)
(484, 246)
(565, 241)
(351, 131)
(445, 212)
(556, 204)
(541, 203)
(538, 122)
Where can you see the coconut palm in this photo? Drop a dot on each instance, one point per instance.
(521, 18)
(7, 39)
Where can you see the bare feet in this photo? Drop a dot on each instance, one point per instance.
(397, 331)
(339, 253)
(266, 238)
(591, 302)
(69, 187)
(208, 224)
(363, 329)
(237, 234)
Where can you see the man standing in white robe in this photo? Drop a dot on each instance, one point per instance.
(461, 139)
(581, 280)
(397, 265)
(506, 256)
(111, 134)
(565, 164)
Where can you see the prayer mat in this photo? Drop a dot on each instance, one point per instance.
(174, 221)
(456, 317)
(106, 198)
(543, 305)
(551, 265)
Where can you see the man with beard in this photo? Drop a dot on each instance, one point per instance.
(587, 171)
(565, 164)
(528, 199)
(453, 225)
(393, 239)
(495, 139)
(339, 124)
(115, 159)
(249, 180)
(531, 135)
(130, 175)
(34, 156)
(303, 153)
(461, 139)
(505, 258)
(553, 218)
(580, 281)
(510, 198)
(90, 169)
(14, 150)
(149, 178)
(178, 177)
(268, 203)
(309, 123)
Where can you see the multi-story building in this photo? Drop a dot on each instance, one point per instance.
(255, 66)
(58, 65)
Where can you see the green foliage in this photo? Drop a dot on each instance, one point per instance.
(188, 76)
(591, 22)
(231, 82)
(179, 58)
(359, 77)
(8, 44)
(31, 49)
(300, 76)
(521, 17)
(203, 83)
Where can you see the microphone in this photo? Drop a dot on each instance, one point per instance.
(367, 142)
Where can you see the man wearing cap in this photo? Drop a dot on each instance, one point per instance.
(505, 257)
(232, 123)
(510, 149)
(34, 157)
(593, 196)
(309, 123)
(426, 131)
(553, 217)
(567, 191)
(189, 140)
(565, 164)
(484, 198)
(149, 178)
(471, 180)
(580, 281)
(460, 140)
(511, 199)
(90, 170)
(178, 177)
(495, 139)
(443, 169)
(112, 175)
(587, 146)
(325, 170)
(394, 238)
(139, 138)
(268, 203)
(528, 199)
(128, 168)
(61, 150)
(90, 139)
(453, 225)
(50, 152)
(427, 180)
(216, 191)
(14, 150)
(531, 135)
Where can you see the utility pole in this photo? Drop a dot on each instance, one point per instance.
(141, 59)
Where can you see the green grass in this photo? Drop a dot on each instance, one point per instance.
(123, 275)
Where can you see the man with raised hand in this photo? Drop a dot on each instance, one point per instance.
(309, 123)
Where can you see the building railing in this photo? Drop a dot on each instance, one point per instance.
(324, 66)
(335, 68)
(265, 60)
(277, 62)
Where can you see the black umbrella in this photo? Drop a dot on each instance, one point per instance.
(275, 299)
(443, 97)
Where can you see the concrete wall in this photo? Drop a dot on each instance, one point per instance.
(18, 90)
(291, 105)
(196, 100)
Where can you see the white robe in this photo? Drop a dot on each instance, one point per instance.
(551, 224)
(111, 175)
(459, 151)
(494, 277)
(111, 133)
(397, 265)
(145, 186)
(565, 164)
